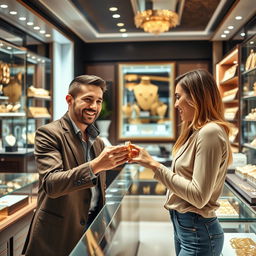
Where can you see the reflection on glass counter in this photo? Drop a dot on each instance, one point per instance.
(116, 230)
(146, 97)
(16, 191)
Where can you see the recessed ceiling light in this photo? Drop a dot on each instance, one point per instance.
(47, 35)
(242, 34)
(9, 47)
(42, 31)
(235, 61)
(28, 55)
(226, 31)
(1, 44)
(36, 28)
(33, 57)
(120, 24)
(116, 16)
(13, 12)
(251, 42)
(30, 23)
(113, 9)
(122, 30)
(43, 61)
(230, 27)
(4, 6)
(124, 35)
(22, 18)
(238, 17)
(223, 35)
(38, 59)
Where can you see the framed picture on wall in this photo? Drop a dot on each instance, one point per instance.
(146, 100)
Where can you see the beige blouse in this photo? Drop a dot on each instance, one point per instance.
(196, 178)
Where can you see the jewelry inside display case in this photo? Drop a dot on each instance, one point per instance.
(146, 97)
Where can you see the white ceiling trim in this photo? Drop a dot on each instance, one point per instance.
(72, 18)
(244, 8)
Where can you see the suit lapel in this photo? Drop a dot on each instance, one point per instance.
(72, 139)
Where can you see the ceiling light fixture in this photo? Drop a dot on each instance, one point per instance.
(4, 6)
(13, 12)
(113, 9)
(157, 16)
(238, 17)
(156, 21)
(122, 30)
(230, 27)
(30, 23)
(116, 16)
(22, 18)
(120, 24)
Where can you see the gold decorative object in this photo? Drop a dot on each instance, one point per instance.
(156, 21)
(37, 92)
(14, 88)
(243, 246)
(38, 112)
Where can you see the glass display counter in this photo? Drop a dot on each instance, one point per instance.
(116, 230)
(18, 193)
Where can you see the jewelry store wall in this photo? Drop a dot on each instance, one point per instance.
(103, 59)
(34, 56)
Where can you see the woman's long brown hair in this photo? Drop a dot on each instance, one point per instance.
(204, 96)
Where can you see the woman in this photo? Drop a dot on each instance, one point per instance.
(201, 156)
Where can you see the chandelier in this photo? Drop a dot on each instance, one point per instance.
(156, 21)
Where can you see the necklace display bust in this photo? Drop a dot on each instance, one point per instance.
(145, 93)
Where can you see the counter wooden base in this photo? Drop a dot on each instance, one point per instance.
(14, 228)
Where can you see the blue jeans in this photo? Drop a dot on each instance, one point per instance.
(195, 235)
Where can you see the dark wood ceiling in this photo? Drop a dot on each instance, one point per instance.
(195, 17)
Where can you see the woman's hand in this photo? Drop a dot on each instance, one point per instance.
(142, 157)
(110, 157)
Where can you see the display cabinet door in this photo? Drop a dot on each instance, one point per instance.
(146, 101)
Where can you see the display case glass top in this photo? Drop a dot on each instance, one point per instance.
(146, 101)
(11, 183)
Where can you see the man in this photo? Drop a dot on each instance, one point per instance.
(71, 160)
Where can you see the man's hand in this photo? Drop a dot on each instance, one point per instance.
(110, 157)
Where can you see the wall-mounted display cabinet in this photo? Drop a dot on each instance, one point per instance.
(146, 102)
(243, 180)
(25, 104)
(248, 99)
(12, 96)
(227, 78)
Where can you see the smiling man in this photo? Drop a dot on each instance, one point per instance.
(71, 161)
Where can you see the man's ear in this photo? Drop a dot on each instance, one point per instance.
(69, 99)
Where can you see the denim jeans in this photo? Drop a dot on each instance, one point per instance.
(195, 235)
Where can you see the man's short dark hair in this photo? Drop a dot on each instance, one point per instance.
(75, 85)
